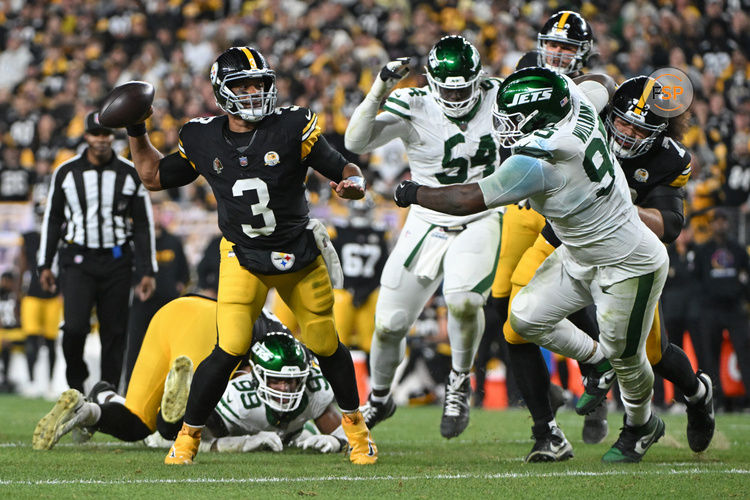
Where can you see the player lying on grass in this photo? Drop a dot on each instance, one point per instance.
(265, 405)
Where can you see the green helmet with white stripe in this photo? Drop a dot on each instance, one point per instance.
(454, 73)
(281, 367)
(529, 99)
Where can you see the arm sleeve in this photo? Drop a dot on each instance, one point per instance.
(175, 171)
(54, 219)
(518, 178)
(326, 160)
(367, 130)
(143, 233)
(669, 201)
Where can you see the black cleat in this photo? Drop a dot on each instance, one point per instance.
(558, 397)
(635, 441)
(456, 405)
(374, 413)
(700, 417)
(550, 445)
(595, 427)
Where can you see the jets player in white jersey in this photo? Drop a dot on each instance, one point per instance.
(609, 257)
(266, 405)
(446, 128)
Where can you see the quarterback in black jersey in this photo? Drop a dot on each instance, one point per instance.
(255, 159)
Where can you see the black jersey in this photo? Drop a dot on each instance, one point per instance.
(30, 248)
(667, 163)
(258, 181)
(363, 252)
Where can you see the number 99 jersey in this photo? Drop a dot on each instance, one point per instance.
(257, 177)
(243, 412)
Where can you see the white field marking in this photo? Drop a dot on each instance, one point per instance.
(259, 480)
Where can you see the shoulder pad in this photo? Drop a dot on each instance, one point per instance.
(675, 157)
(529, 59)
(534, 145)
(490, 83)
(400, 101)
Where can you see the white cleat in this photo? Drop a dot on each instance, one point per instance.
(177, 389)
(71, 411)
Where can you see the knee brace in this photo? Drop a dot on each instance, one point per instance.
(392, 324)
(319, 335)
(464, 305)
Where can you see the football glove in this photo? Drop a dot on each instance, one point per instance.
(324, 443)
(389, 76)
(406, 193)
(241, 444)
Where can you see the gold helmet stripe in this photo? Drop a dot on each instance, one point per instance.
(646, 91)
(561, 22)
(250, 57)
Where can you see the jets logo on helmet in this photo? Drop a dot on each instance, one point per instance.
(232, 72)
(528, 100)
(281, 368)
(454, 72)
(633, 127)
(569, 29)
(533, 96)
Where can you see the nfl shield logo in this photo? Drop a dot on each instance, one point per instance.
(282, 261)
(243, 161)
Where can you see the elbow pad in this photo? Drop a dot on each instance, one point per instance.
(673, 222)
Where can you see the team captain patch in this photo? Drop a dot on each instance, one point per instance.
(282, 261)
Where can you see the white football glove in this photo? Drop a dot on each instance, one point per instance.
(324, 443)
(389, 76)
(242, 444)
(155, 440)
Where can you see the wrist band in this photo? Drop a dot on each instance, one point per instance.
(358, 180)
(136, 130)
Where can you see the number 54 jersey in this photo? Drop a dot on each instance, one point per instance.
(443, 150)
(258, 181)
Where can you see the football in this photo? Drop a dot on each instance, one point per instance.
(126, 104)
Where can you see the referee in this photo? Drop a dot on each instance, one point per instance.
(98, 207)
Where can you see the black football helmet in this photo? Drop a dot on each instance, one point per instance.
(570, 28)
(239, 63)
(631, 104)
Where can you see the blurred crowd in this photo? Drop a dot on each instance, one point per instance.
(59, 58)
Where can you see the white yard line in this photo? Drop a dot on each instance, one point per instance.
(257, 480)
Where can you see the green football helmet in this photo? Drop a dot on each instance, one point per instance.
(454, 73)
(281, 368)
(529, 99)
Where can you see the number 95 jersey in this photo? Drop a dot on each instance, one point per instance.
(257, 177)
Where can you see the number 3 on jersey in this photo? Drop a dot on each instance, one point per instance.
(260, 208)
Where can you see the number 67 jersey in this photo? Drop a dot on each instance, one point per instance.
(258, 179)
(591, 211)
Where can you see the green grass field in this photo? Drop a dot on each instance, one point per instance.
(486, 461)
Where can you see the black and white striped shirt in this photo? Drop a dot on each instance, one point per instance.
(98, 207)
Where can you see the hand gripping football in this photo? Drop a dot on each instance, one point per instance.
(127, 104)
